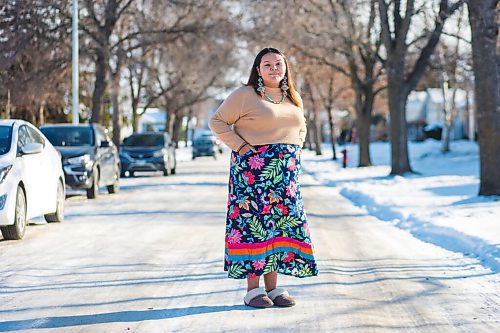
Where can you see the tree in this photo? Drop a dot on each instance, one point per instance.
(483, 17)
(402, 78)
(34, 58)
(348, 43)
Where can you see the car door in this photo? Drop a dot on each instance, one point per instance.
(46, 194)
(33, 183)
(105, 156)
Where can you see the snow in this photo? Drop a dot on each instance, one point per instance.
(149, 258)
(438, 204)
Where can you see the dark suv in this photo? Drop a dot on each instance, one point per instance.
(150, 151)
(89, 157)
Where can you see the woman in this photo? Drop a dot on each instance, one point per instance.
(266, 228)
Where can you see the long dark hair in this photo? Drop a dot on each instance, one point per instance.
(254, 75)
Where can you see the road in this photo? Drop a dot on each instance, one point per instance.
(149, 259)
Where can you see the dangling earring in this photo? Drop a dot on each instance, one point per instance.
(284, 86)
(261, 89)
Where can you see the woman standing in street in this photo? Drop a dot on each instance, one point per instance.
(266, 227)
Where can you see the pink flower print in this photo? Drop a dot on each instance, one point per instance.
(266, 209)
(305, 226)
(292, 164)
(259, 264)
(252, 275)
(291, 190)
(289, 257)
(262, 149)
(235, 213)
(256, 162)
(282, 208)
(280, 155)
(234, 237)
(250, 177)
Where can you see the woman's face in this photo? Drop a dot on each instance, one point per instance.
(272, 69)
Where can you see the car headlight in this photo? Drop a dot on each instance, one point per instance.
(158, 153)
(83, 160)
(4, 172)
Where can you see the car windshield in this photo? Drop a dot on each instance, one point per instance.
(69, 136)
(144, 140)
(203, 141)
(5, 138)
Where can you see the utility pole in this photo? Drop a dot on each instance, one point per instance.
(74, 58)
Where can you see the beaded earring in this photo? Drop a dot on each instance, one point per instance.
(284, 86)
(261, 89)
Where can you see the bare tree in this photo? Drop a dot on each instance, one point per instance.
(400, 77)
(484, 19)
(34, 58)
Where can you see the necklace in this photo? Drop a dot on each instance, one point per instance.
(273, 101)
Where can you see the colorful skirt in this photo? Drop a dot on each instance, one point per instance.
(266, 225)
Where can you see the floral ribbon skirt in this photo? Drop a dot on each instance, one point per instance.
(266, 226)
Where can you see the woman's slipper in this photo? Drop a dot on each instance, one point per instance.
(257, 298)
(280, 297)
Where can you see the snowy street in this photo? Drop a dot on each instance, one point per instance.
(150, 259)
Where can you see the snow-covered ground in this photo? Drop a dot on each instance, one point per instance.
(439, 204)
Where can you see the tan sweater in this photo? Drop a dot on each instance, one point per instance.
(247, 117)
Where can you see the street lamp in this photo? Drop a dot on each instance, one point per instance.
(74, 62)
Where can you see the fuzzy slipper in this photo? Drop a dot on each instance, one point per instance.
(280, 297)
(257, 298)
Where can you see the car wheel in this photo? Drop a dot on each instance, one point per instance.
(172, 170)
(166, 169)
(93, 191)
(17, 230)
(115, 187)
(58, 215)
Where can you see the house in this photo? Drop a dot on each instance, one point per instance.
(153, 120)
(424, 113)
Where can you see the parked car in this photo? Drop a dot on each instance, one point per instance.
(150, 151)
(205, 145)
(89, 157)
(31, 178)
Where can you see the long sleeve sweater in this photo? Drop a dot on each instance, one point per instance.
(246, 117)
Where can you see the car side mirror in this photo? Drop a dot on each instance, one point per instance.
(32, 148)
(105, 144)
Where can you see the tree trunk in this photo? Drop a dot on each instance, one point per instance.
(101, 68)
(177, 130)
(169, 123)
(364, 105)
(115, 100)
(486, 59)
(445, 136)
(41, 114)
(317, 136)
(400, 162)
(363, 129)
(189, 119)
(333, 139)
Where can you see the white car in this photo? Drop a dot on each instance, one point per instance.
(31, 178)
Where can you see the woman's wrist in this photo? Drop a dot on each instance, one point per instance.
(241, 147)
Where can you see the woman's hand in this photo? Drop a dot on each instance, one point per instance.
(245, 149)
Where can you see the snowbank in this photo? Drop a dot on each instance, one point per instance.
(438, 204)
